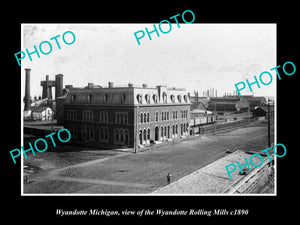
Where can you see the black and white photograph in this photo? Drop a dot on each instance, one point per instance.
(156, 118)
(149, 113)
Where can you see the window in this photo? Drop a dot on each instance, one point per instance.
(103, 117)
(122, 98)
(185, 98)
(147, 98)
(179, 98)
(105, 98)
(172, 98)
(142, 117)
(156, 116)
(145, 118)
(148, 134)
(89, 98)
(145, 134)
(148, 117)
(88, 116)
(164, 97)
(139, 98)
(73, 98)
(103, 134)
(121, 117)
(71, 115)
(154, 97)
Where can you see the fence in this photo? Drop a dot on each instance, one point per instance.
(222, 126)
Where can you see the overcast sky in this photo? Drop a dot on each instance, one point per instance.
(194, 56)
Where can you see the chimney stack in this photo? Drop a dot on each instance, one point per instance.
(144, 85)
(90, 85)
(110, 84)
(58, 85)
(130, 85)
(27, 90)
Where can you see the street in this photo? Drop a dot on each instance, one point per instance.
(147, 171)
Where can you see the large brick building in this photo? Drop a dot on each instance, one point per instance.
(117, 116)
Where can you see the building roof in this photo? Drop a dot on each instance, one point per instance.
(129, 95)
(39, 109)
(198, 105)
(254, 98)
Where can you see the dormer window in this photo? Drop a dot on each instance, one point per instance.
(89, 98)
(185, 98)
(154, 97)
(164, 96)
(139, 98)
(147, 98)
(172, 98)
(179, 98)
(73, 98)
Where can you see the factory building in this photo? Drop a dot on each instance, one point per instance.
(122, 116)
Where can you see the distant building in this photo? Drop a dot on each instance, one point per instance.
(254, 100)
(121, 116)
(227, 104)
(42, 113)
(262, 111)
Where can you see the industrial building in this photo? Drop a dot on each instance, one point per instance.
(122, 116)
(37, 109)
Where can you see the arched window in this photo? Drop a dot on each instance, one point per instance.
(185, 98)
(172, 98)
(73, 98)
(147, 98)
(121, 135)
(164, 97)
(125, 118)
(105, 98)
(179, 98)
(122, 98)
(117, 118)
(89, 98)
(154, 97)
(139, 98)
(156, 116)
(145, 134)
(106, 134)
(148, 134)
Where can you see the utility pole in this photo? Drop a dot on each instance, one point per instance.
(249, 113)
(136, 130)
(269, 128)
(215, 115)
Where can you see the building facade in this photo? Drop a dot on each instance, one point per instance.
(125, 116)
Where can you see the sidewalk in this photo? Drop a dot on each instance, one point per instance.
(212, 179)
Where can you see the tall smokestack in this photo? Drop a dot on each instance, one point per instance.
(27, 90)
(58, 85)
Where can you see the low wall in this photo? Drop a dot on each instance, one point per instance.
(259, 181)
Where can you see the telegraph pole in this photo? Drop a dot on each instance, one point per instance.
(136, 130)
